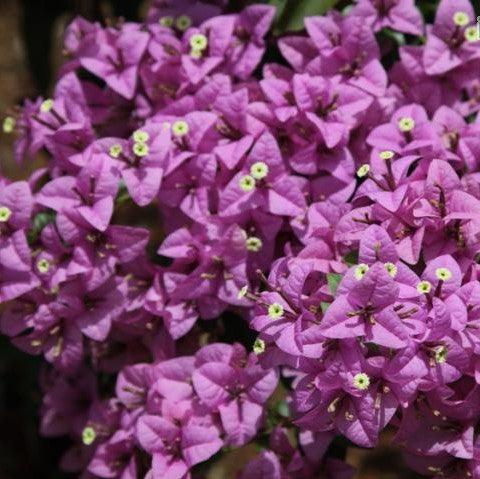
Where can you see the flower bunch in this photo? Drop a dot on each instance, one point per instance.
(329, 202)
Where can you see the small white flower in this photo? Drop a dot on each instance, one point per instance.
(259, 170)
(361, 381)
(441, 353)
(253, 244)
(43, 265)
(183, 22)
(46, 105)
(363, 171)
(180, 128)
(166, 21)
(115, 150)
(8, 124)
(140, 136)
(471, 34)
(386, 155)
(198, 42)
(360, 271)
(259, 346)
(391, 269)
(247, 183)
(88, 436)
(275, 311)
(5, 214)
(406, 124)
(140, 149)
(424, 287)
(443, 274)
(461, 19)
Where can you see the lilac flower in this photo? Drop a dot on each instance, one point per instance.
(219, 266)
(367, 309)
(263, 183)
(453, 39)
(66, 402)
(332, 109)
(331, 206)
(145, 159)
(408, 131)
(82, 202)
(185, 13)
(230, 382)
(118, 59)
(248, 46)
(353, 55)
(57, 337)
(402, 15)
(114, 458)
(96, 308)
(16, 204)
(435, 433)
(177, 440)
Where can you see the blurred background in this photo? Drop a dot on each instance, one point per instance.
(30, 52)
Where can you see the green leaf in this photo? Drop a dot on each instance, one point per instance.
(397, 37)
(39, 222)
(333, 280)
(283, 409)
(351, 258)
(324, 306)
(280, 6)
(295, 11)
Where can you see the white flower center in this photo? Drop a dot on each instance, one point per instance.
(46, 106)
(140, 136)
(166, 21)
(275, 311)
(5, 214)
(391, 269)
(472, 34)
(461, 19)
(363, 171)
(183, 22)
(361, 381)
(115, 150)
(88, 436)
(443, 274)
(247, 183)
(386, 155)
(140, 149)
(424, 287)
(253, 244)
(180, 128)
(259, 170)
(441, 353)
(8, 124)
(259, 346)
(43, 265)
(360, 271)
(406, 124)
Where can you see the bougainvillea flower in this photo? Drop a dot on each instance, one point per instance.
(236, 393)
(206, 223)
(118, 59)
(452, 39)
(402, 15)
(177, 440)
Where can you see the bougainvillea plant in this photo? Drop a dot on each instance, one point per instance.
(327, 201)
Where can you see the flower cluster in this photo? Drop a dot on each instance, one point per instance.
(329, 201)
